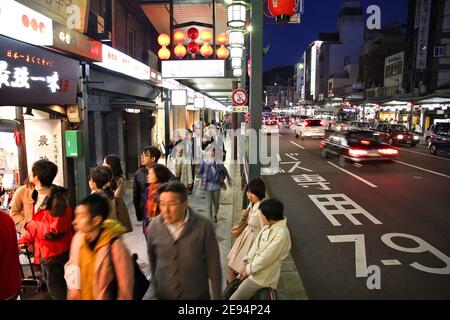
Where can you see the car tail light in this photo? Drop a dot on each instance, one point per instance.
(365, 142)
(400, 137)
(388, 151)
(306, 123)
(357, 152)
(322, 123)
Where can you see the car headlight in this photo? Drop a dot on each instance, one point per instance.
(400, 137)
(416, 137)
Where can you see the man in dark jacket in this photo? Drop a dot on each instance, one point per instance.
(149, 157)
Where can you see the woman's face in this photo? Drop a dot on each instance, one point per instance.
(92, 185)
(251, 197)
(105, 164)
(151, 176)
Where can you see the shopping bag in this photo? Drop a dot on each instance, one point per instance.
(238, 227)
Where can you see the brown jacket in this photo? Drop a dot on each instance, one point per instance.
(22, 206)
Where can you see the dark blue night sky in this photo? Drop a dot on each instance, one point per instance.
(288, 42)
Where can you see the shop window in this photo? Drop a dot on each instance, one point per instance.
(439, 52)
(131, 42)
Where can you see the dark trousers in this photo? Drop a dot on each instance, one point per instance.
(53, 275)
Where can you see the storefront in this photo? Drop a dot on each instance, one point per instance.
(44, 83)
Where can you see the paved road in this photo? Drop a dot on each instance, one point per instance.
(387, 225)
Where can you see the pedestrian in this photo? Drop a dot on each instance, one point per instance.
(213, 175)
(119, 186)
(9, 262)
(255, 191)
(100, 182)
(183, 168)
(100, 265)
(191, 152)
(183, 250)
(22, 205)
(50, 230)
(148, 158)
(270, 248)
(157, 175)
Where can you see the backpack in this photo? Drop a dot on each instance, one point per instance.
(141, 283)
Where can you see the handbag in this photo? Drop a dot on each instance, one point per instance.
(238, 227)
(231, 288)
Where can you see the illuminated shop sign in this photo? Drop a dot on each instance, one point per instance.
(31, 75)
(24, 24)
(179, 69)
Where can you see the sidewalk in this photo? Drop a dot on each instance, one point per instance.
(290, 287)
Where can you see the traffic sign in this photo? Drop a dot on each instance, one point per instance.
(240, 108)
(239, 97)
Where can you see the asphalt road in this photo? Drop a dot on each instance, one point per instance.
(385, 232)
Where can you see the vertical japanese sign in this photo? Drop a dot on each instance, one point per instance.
(44, 142)
(423, 32)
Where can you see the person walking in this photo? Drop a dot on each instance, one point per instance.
(148, 158)
(100, 265)
(157, 175)
(22, 205)
(119, 186)
(100, 182)
(213, 175)
(270, 248)
(9, 261)
(255, 191)
(183, 168)
(183, 250)
(50, 230)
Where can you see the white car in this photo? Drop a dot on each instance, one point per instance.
(270, 127)
(314, 128)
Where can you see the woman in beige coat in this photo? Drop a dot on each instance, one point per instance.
(255, 191)
(22, 205)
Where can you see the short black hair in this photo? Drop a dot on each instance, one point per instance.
(98, 205)
(153, 152)
(162, 173)
(46, 172)
(257, 187)
(272, 209)
(175, 187)
(101, 175)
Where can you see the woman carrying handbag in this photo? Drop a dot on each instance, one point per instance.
(254, 222)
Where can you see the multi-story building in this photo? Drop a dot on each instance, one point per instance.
(299, 81)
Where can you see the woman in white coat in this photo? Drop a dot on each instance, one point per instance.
(255, 191)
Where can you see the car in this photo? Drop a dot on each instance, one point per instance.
(285, 122)
(299, 119)
(356, 146)
(440, 141)
(431, 132)
(396, 134)
(310, 128)
(270, 126)
(361, 125)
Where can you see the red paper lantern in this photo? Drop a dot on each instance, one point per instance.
(282, 10)
(222, 38)
(206, 50)
(180, 51)
(206, 36)
(193, 47)
(222, 52)
(179, 37)
(192, 33)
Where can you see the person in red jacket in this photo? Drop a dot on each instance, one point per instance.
(50, 230)
(9, 262)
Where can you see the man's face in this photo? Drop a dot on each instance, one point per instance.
(83, 222)
(147, 159)
(172, 209)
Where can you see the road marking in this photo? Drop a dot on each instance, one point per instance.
(291, 157)
(391, 262)
(424, 154)
(354, 175)
(279, 158)
(358, 165)
(297, 145)
(419, 168)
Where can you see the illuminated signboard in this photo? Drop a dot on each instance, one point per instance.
(31, 75)
(179, 69)
(119, 62)
(24, 24)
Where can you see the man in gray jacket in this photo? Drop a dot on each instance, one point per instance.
(183, 250)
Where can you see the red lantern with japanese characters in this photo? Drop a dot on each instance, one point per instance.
(192, 33)
(282, 11)
(193, 47)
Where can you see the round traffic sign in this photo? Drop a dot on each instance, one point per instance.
(239, 97)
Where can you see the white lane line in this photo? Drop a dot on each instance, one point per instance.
(353, 175)
(391, 262)
(419, 168)
(279, 158)
(297, 145)
(424, 154)
(288, 155)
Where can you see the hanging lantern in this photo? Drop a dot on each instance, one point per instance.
(222, 38)
(237, 14)
(206, 50)
(179, 37)
(282, 11)
(236, 63)
(206, 36)
(192, 33)
(193, 47)
(222, 52)
(180, 50)
(237, 52)
(163, 40)
(237, 72)
(236, 38)
(164, 53)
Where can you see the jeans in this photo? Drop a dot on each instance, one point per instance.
(213, 203)
(246, 290)
(53, 276)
